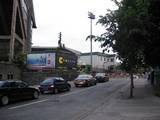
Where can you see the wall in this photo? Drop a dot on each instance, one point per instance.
(97, 61)
(9, 69)
(33, 78)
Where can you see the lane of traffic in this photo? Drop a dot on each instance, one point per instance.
(68, 105)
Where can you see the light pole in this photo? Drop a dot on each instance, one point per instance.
(91, 16)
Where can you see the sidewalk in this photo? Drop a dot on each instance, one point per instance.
(144, 105)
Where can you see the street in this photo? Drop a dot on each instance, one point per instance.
(79, 60)
(77, 104)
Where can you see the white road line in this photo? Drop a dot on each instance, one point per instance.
(71, 93)
(24, 105)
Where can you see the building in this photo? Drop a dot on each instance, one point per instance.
(45, 62)
(16, 23)
(100, 61)
(59, 57)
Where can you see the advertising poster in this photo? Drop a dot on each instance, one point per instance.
(66, 60)
(40, 61)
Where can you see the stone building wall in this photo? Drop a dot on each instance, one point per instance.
(33, 78)
(9, 71)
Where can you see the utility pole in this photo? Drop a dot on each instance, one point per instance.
(91, 16)
(60, 39)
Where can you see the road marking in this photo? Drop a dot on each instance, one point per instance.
(64, 95)
(24, 105)
(75, 92)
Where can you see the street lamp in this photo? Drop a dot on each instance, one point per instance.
(91, 16)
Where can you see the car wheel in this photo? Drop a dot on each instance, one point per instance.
(35, 95)
(55, 91)
(68, 88)
(42, 92)
(95, 83)
(88, 84)
(4, 100)
(69, 85)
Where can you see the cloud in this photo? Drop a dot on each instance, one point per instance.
(69, 17)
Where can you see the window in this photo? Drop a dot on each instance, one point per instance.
(13, 84)
(1, 76)
(59, 80)
(22, 84)
(2, 83)
(48, 81)
(112, 60)
(10, 76)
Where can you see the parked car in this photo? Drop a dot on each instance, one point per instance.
(54, 85)
(84, 80)
(102, 77)
(11, 90)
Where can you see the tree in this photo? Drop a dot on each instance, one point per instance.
(152, 48)
(20, 61)
(90, 37)
(127, 34)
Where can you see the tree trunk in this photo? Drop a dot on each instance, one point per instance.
(131, 85)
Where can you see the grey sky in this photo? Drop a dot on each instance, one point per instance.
(71, 18)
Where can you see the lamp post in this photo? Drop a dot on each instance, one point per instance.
(91, 16)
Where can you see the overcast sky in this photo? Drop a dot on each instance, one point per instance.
(71, 18)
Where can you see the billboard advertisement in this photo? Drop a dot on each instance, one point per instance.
(66, 60)
(40, 61)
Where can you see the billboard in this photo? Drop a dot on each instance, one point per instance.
(40, 61)
(66, 60)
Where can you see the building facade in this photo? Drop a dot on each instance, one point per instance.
(100, 61)
(45, 62)
(58, 57)
(16, 23)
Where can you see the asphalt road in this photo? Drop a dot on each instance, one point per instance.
(74, 105)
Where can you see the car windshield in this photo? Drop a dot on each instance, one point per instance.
(48, 81)
(100, 74)
(83, 77)
(1, 83)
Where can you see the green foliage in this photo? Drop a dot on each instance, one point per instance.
(20, 60)
(91, 36)
(152, 49)
(85, 68)
(126, 32)
(133, 31)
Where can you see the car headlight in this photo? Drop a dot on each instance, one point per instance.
(52, 86)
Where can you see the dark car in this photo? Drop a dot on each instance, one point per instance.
(54, 85)
(84, 80)
(16, 90)
(102, 77)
